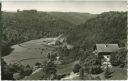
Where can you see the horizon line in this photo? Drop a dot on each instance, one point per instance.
(63, 11)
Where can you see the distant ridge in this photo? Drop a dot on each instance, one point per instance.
(73, 17)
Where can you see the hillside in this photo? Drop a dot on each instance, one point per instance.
(29, 52)
(73, 17)
(34, 24)
(108, 27)
(22, 26)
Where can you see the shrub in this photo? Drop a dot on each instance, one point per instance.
(38, 64)
(96, 70)
(76, 68)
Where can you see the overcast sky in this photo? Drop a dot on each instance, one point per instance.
(94, 7)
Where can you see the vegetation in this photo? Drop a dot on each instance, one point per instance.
(108, 27)
(26, 25)
(119, 58)
(91, 63)
(8, 71)
(5, 74)
(107, 73)
(118, 74)
(76, 68)
(49, 71)
(27, 70)
(73, 17)
(69, 55)
(21, 26)
(6, 49)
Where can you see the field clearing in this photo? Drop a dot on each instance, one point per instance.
(32, 51)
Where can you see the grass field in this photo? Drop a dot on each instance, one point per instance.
(29, 52)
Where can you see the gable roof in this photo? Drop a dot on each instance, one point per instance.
(107, 47)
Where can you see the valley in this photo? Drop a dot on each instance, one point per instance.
(39, 45)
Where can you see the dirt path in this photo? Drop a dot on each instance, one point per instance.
(28, 59)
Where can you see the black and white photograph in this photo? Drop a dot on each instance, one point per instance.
(63, 40)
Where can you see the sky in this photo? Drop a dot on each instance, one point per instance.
(94, 7)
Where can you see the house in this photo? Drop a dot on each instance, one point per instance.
(61, 40)
(105, 50)
(57, 40)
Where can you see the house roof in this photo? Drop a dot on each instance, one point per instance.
(107, 47)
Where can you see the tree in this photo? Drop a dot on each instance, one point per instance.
(6, 49)
(5, 74)
(76, 68)
(27, 70)
(91, 63)
(49, 70)
(119, 57)
(82, 73)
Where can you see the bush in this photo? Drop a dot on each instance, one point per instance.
(38, 64)
(96, 70)
(76, 68)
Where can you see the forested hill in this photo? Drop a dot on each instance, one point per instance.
(108, 27)
(30, 24)
(73, 17)
(27, 25)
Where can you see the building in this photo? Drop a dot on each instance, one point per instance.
(61, 40)
(105, 50)
(57, 40)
